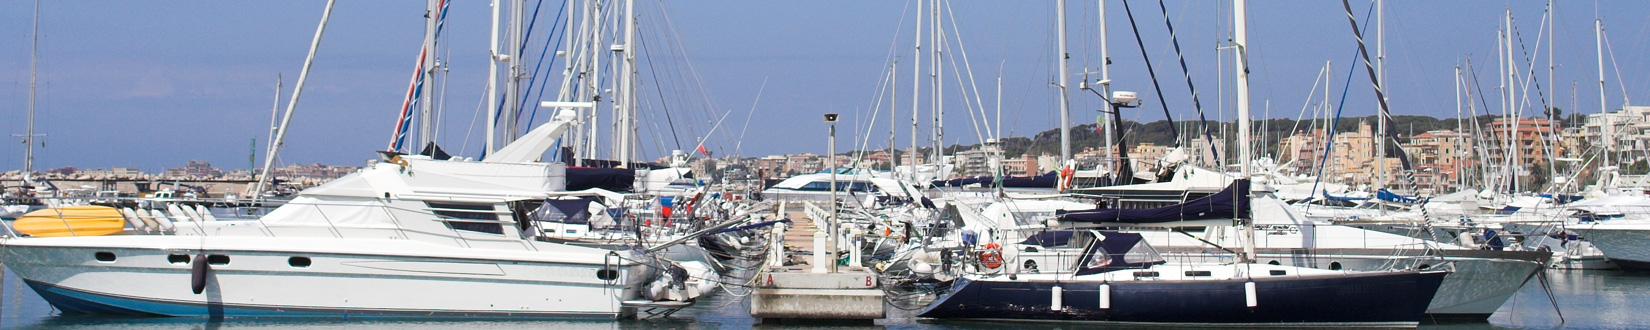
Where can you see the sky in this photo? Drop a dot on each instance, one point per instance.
(155, 84)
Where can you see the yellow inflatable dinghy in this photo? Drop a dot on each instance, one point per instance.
(83, 220)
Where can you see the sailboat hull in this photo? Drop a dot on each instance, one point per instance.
(1365, 300)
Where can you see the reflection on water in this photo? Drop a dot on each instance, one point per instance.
(1589, 299)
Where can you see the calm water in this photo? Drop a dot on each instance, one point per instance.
(1588, 300)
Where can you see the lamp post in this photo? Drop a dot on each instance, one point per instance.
(831, 225)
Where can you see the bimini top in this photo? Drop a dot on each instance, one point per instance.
(1230, 203)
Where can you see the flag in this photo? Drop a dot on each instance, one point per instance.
(703, 151)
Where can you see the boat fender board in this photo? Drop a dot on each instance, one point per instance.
(197, 274)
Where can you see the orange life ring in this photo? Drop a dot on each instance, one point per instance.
(991, 259)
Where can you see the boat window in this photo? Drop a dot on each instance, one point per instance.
(105, 256)
(179, 259)
(1335, 265)
(1194, 273)
(462, 211)
(298, 262)
(1278, 272)
(1142, 253)
(217, 259)
(490, 228)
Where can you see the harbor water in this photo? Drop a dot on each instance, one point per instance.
(1587, 300)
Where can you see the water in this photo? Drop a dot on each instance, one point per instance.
(1588, 299)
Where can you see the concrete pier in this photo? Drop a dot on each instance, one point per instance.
(798, 293)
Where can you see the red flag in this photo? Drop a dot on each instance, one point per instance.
(703, 151)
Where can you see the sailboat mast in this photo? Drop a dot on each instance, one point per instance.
(1604, 109)
(627, 86)
(34, 64)
(492, 84)
(1106, 125)
(297, 91)
(432, 16)
(1065, 99)
(1240, 29)
(1380, 70)
(1460, 132)
(934, 75)
(916, 91)
(1241, 40)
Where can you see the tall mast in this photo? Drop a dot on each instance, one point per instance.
(274, 112)
(1240, 29)
(1380, 69)
(934, 74)
(297, 91)
(492, 84)
(1241, 41)
(432, 16)
(34, 63)
(1460, 132)
(627, 86)
(1065, 99)
(916, 91)
(1515, 149)
(512, 84)
(1603, 108)
(1106, 125)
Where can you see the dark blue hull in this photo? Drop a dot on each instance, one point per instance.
(1381, 299)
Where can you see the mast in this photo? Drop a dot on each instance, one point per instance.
(1065, 99)
(916, 90)
(627, 86)
(274, 112)
(1459, 131)
(512, 91)
(1106, 126)
(1603, 108)
(1241, 41)
(1380, 69)
(34, 64)
(297, 91)
(1516, 149)
(934, 75)
(492, 84)
(432, 15)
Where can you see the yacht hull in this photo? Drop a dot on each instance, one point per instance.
(274, 282)
(1624, 244)
(1367, 300)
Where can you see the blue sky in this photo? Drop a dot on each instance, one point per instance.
(153, 84)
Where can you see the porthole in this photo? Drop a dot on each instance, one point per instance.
(1423, 267)
(1273, 262)
(178, 259)
(1335, 265)
(298, 262)
(217, 259)
(1278, 272)
(104, 256)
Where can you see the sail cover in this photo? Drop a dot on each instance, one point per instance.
(1232, 202)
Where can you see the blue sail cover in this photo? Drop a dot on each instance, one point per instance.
(1230, 203)
(1388, 195)
(1326, 195)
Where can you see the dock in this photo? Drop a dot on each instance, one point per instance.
(805, 291)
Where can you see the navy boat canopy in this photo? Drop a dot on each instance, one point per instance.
(1117, 251)
(1388, 195)
(1229, 203)
(1049, 238)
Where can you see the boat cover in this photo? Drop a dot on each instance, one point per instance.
(568, 211)
(1229, 203)
(611, 179)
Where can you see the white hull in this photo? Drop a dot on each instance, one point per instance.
(377, 278)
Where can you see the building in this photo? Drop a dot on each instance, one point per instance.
(1440, 159)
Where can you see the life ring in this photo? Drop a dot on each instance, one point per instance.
(991, 258)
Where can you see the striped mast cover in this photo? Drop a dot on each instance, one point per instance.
(415, 88)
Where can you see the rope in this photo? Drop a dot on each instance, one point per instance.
(1173, 131)
(1202, 122)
